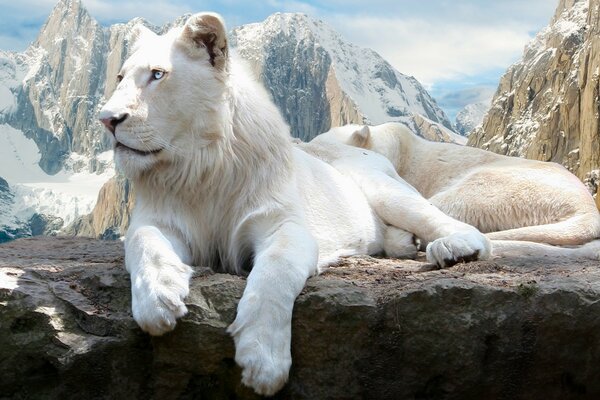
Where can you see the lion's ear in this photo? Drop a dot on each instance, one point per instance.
(361, 137)
(136, 35)
(207, 31)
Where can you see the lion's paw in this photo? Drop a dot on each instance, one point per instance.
(262, 350)
(157, 297)
(459, 247)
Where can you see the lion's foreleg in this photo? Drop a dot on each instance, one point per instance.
(398, 204)
(284, 259)
(159, 277)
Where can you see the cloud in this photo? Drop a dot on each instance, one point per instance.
(294, 6)
(20, 21)
(436, 50)
(470, 95)
(157, 12)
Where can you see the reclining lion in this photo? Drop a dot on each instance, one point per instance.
(508, 198)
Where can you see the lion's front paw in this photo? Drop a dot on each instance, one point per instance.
(157, 298)
(262, 350)
(459, 247)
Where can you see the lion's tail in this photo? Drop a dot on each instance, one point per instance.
(577, 230)
(513, 248)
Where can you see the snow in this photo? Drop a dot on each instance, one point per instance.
(66, 195)
(572, 20)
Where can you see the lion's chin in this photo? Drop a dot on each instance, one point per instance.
(132, 162)
(121, 147)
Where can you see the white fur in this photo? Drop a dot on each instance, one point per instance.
(510, 199)
(229, 190)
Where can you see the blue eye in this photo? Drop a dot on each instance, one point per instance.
(157, 74)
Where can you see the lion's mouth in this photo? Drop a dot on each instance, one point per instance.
(120, 145)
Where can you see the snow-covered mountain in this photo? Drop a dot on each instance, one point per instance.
(54, 154)
(546, 106)
(52, 149)
(319, 80)
(470, 117)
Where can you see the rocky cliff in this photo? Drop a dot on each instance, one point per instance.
(368, 328)
(546, 106)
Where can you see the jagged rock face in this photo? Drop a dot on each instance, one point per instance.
(45, 225)
(318, 80)
(520, 328)
(546, 106)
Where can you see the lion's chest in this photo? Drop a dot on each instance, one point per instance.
(208, 228)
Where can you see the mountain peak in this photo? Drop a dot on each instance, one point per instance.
(293, 46)
(67, 18)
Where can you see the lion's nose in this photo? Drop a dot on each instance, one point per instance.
(111, 122)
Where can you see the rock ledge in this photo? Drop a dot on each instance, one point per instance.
(368, 328)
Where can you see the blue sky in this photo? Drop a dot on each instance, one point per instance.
(457, 49)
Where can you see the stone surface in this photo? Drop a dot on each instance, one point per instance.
(546, 106)
(367, 328)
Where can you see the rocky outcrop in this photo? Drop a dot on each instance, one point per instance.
(546, 106)
(367, 328)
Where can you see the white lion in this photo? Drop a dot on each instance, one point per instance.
(508, 198)
(219, 183)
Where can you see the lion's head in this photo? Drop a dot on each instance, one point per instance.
(169, 98)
